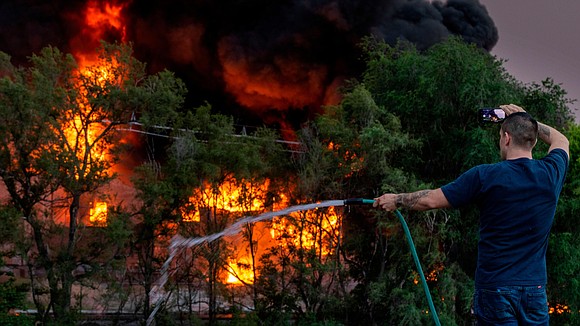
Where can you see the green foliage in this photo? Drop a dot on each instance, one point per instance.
(56, 123)
(404, 122)
(564, 287)
(12, 296)
(223, 151)
(239, 318)
(435, 95)
(10, 227)
(191, 175)
(548, 103)
(572, 187)
(357, 139)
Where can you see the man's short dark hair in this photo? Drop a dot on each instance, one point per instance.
(522, 128)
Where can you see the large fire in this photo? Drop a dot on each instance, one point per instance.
(84, 126)
(101, 16)
(288, 83)
(311, 230)
(232, 196)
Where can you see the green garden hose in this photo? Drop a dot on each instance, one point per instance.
(358, 201)
(419, 269)
(361, 201)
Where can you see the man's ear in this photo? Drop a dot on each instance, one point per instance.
(507, 138)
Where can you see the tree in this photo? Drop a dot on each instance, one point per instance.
(346, 152)
(59, 135)
(367, 142)
(187, 186)
(227, 161)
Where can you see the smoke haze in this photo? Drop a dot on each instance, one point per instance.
(278, 61)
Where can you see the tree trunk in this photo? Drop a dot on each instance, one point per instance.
(253, 251)
(73, 215)
(147, 258)
(212, 279)
(60, 277)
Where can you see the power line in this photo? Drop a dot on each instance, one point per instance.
(243, 133)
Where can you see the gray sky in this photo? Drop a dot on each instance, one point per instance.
(540, 39)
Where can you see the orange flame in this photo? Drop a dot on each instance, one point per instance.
(559, 309)
(356, 162)
(288, 84)
(433, 274)
(318, 232)
(98, 213)
(232, 196)
(100, 19)
(322, 227)
(240, 272)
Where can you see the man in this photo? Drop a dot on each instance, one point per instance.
(517, 199)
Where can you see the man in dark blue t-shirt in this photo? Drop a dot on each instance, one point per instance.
(517, 199)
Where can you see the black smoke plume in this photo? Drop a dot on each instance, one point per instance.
(274, 61)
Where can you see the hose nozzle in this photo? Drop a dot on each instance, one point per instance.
(358, 201)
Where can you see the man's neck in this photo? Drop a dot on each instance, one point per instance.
(514, 155)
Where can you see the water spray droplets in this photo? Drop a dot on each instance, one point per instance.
(179, 243)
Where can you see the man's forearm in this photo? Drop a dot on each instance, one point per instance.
(552, 137)
(420, 200)
(545, 133)
(411, 200)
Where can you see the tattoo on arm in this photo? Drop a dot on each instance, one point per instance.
(411, 199)
(544, 132)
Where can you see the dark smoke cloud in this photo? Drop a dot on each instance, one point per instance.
(425, 23)
(276, 60)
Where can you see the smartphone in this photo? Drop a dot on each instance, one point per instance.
(491, 115)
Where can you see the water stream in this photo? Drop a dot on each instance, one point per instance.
(180, 243)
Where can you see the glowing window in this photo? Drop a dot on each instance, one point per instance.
(98, 213)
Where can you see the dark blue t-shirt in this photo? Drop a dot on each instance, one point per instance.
(517, 201)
